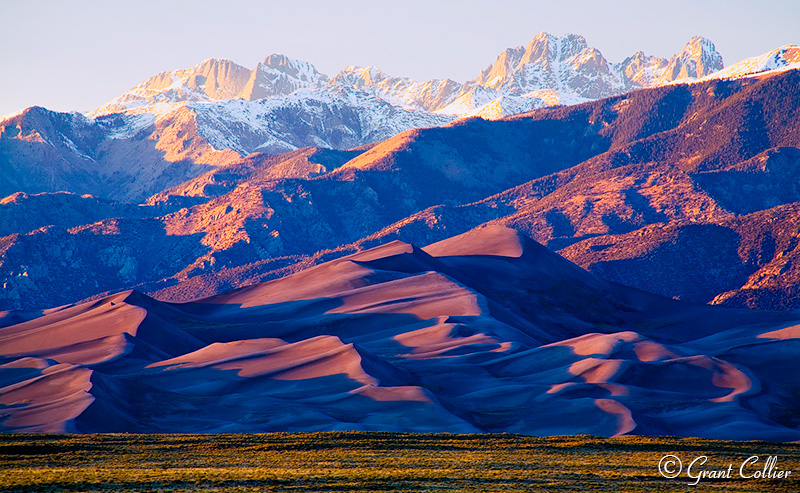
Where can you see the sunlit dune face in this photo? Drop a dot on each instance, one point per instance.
(625, 422)
(386, 394)
(428, 335)
(27, 362)
(220, 352)
(46, 403)
(729, 377)
(383, 251)
(652, 351)
(88, 323)
(598, 343)
(491, 240)
(608, 344)
(320, 356)
(342, 360)
(91, 352)
(437, 340)
(792, 332)
(426, 296)
(594, 370)
(324, 281)
(503, 346)
(723, 375)
(558, 387)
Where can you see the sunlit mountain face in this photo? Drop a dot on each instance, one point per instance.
(562, 245)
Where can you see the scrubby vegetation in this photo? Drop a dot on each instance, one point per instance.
(375, 462)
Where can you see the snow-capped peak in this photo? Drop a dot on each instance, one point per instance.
(354, 76)
(297, 69)
(401, 91)
(546, 47)
(280, 75)
(219, 79)
(548, 62)
(783, 58)
(698, 58)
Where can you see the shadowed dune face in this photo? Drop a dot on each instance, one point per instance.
(488, 331)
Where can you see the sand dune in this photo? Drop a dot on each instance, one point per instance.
(488, 331)
(45, 396)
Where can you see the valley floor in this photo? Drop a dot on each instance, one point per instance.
(368, 461)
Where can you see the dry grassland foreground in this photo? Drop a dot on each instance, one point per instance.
(378, 462)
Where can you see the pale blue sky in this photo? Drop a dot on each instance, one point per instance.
(76, 55)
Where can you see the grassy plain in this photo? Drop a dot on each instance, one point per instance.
(374, 462)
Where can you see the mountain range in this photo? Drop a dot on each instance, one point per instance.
(549, 70)
(176, 125)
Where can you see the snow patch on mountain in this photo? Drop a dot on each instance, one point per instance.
(431, 95)
(153, 95)
(322, 118)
